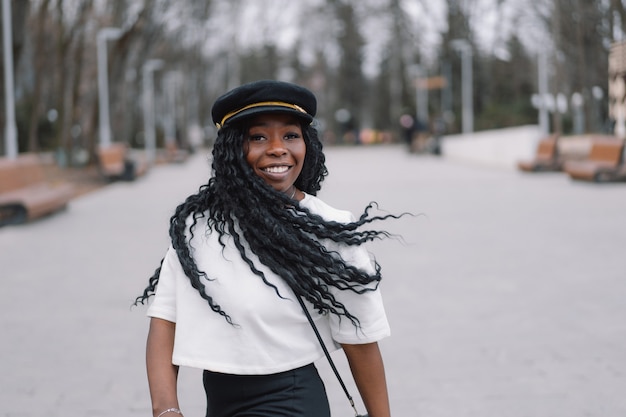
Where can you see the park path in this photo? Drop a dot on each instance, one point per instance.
(505, 292)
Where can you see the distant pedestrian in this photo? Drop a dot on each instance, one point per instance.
(244, 249)
(407, 123)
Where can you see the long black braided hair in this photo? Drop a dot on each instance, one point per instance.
(285, 237)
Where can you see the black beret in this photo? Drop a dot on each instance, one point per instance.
(266, 96)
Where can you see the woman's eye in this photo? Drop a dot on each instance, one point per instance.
(255, 138)
(292, 136)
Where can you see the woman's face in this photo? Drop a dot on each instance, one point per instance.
(274, 148)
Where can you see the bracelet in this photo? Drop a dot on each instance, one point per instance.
(170, 410)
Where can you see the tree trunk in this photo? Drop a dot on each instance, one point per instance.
(557, 120)
(40, 63)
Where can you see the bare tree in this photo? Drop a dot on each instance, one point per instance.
(40, 65)
(70, 41)
(350, 82)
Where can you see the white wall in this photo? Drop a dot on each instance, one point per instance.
(499, 148)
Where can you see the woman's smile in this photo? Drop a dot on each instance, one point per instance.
(278, 169)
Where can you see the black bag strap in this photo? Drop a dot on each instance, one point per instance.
(330, 360)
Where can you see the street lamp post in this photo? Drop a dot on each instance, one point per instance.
(104, 124)
(170, 84)
(148, 107)
(578, 102)
(542, 69)
(10, 128)
(421, 95)
(466, 73)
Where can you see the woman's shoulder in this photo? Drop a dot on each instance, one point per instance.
(326, 211)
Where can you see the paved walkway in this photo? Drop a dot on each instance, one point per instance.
(506, 297)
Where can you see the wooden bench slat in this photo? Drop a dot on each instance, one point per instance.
(174, 153)
(25, 189)
(603, 161)
(115, 162)
(546, 156)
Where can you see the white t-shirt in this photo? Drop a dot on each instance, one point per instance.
(271, 334)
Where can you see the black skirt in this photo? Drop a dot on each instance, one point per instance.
(296, 393)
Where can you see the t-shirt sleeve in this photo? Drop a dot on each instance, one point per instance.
(163, 305)
(368, 307)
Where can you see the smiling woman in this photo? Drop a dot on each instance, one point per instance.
(249, 246)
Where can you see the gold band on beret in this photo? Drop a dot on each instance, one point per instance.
(261, 104)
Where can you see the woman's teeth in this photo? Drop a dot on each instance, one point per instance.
(276, 170)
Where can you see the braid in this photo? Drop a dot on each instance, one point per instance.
(238, 203)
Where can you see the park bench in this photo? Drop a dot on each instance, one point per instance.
(115, 162)
(26, 193)
(603, 162)
(546, 158)
(175, 154)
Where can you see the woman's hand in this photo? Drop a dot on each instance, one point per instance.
(162, 374)
(366, 364)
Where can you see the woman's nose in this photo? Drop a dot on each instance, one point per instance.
(276, 145)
